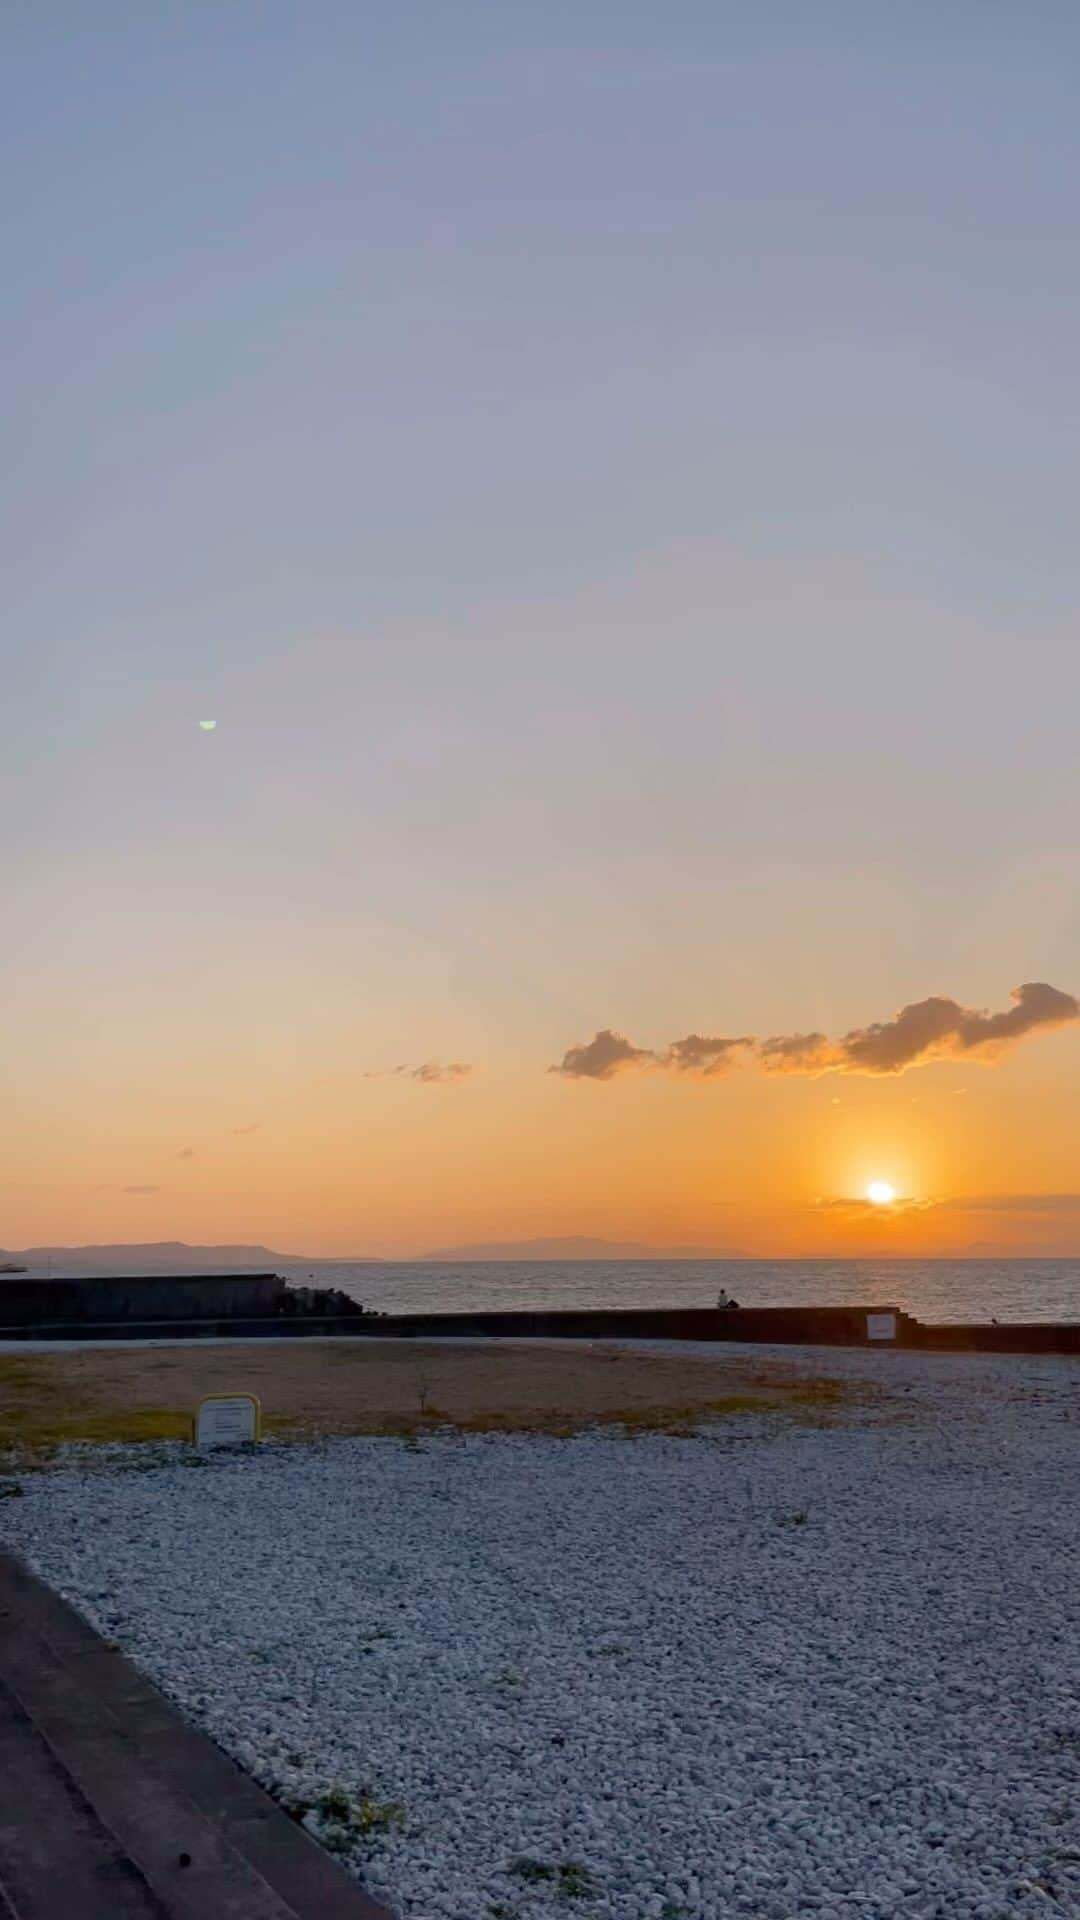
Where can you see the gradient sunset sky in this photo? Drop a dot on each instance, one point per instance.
(610, 473)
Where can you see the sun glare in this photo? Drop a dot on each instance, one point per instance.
(880, 1193)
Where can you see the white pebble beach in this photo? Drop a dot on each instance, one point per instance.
(788, 1668)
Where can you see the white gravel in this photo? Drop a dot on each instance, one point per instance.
(779, 1671)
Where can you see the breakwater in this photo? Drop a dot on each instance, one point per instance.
(262, 1306)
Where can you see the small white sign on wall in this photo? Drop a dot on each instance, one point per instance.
(227, 1420)
(881, 1326)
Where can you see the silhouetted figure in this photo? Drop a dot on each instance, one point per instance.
(725, 1300)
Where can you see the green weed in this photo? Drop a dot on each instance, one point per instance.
(343, 1820)
(573, 1881)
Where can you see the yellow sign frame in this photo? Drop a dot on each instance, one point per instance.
(210, 1399)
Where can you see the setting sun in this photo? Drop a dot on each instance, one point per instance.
(880, 1193)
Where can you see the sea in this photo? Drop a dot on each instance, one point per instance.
(932, 1290)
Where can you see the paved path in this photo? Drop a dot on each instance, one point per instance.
(114, 1808)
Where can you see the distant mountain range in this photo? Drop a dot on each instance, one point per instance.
(158, 1256)
(579, 1247)
(176, 1256)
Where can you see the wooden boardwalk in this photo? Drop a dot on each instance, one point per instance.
(112, 1807)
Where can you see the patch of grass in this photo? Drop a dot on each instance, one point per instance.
(45, 1405)
(531, 1871)
(372, 1816)
(42, 1408)
(573, 1881)
(22, 1374)
(816, 1399)
(39, 1432)
(683, 1420)
(343, 1821)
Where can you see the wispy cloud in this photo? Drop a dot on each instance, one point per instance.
(1014, 1203)
(797, 1053)
(857, 1204)
(253, 1128)
(142, 1189)
(924, 1030)
(431, 1073)
(186, 1153)
(699, 1053)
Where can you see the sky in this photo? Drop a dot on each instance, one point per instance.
(609, 473)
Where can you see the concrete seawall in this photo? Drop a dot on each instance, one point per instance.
(850, 1326)
(139, 1296)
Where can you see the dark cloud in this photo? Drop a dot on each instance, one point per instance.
(605, 1055)
(142, 1189)
(1035, 1005)
(609, 1053)
(254, 1127)
(700, 1053)
(932, 1029)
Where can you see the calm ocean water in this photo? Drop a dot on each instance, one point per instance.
(930, 1289)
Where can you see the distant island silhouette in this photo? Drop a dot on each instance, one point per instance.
(155, 1256)
(579, 1247)
(178, 1256)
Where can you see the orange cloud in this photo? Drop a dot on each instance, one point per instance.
(933, 1029)
(925, 1030)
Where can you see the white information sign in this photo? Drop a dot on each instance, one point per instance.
(881, 1326)
(227, 1420)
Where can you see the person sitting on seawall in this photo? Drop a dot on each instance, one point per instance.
(725, 1300)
